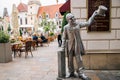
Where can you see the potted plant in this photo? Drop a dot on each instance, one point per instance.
(51, 34)
(5, 48)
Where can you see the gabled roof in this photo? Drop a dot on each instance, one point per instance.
(51, 10)
(22, 7)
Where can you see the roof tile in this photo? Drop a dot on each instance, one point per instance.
(51, 10)
(22, 7)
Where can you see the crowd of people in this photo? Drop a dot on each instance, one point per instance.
(42, 40)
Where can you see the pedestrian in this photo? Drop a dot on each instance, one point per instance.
(43, 39)
(59, 39)
(35, 38)
(73, 44)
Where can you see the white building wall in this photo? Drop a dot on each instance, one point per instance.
(33, 9)
(32, 13)
(23, 16)
(99, 41)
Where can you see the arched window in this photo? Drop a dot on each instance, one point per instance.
(56, 15)
(25, 20)
(60, 22)
(47, 16)
(21, 21)
(40, 17)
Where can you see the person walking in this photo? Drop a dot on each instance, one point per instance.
(59, 39)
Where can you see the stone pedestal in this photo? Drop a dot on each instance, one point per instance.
(5, 53)
(61, 65)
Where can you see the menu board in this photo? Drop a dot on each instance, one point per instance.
(101, 23)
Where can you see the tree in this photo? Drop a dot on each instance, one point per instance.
(64, 22)
(9, 28)
(2, 28)
(20, 31)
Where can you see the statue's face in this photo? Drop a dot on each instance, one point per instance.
(72, 20)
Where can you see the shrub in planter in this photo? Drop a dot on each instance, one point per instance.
(12, 40)
(51, 34)
(4, 37)
(5, 48)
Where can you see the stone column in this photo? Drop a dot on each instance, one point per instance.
(61, 65)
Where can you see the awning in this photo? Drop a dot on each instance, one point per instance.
(65, 7)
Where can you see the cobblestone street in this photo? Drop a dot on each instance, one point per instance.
(44, 66)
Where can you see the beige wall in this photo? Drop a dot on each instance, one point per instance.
(99, 41)
(102, 61)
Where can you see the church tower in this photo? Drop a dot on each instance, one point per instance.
(6, 21)
(33, 6)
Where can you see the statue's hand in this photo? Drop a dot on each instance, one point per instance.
(95, 13)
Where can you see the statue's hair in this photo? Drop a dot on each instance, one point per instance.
(69, 15)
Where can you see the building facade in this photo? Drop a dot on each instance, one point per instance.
(30, 15)
(27, 16)
(103, 47)
(51, 15)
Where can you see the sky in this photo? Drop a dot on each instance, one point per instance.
(8, 4)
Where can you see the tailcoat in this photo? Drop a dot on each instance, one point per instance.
(72, 41)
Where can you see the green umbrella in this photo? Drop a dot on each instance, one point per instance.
(64, 22)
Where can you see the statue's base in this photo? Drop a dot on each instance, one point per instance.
(58, 78)
(68, 78)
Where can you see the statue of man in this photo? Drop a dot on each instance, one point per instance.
(73, 44)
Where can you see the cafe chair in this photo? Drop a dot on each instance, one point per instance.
(27, 48)
(34, 44)
(15, 50)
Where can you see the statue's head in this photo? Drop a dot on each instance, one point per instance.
(69, 16)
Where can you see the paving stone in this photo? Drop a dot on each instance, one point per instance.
(44, 66)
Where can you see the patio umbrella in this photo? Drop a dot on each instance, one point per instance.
(15, 19)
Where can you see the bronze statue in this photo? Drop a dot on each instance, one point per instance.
(72, 43)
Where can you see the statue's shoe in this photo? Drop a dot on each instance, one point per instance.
(71, 75)
(84, 77)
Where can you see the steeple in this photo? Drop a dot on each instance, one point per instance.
(5, 12)
(57, 1)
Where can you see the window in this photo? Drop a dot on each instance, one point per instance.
(21, 21)
(25, 20)
(47, 16)
(60, 22)
(40, 17)
(56, 15)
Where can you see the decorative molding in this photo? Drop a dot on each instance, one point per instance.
(103, 51)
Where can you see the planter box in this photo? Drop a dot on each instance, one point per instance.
(5, 52)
